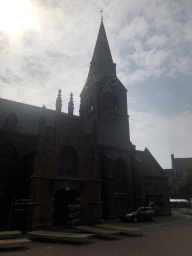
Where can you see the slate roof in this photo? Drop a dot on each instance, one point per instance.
(180, 165)
(102, 49)
(27, 115)
(147, 164)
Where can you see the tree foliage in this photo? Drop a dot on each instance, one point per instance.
(184, 184)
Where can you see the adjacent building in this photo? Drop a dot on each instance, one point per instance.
(179, 167)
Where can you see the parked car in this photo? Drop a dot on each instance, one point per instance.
(139, 214)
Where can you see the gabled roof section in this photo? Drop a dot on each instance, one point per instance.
(106, 87)
(27, 116)
(148, 165)
(102, 47)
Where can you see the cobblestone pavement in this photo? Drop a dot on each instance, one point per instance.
(159, 239)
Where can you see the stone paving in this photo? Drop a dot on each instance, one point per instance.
(167, 236)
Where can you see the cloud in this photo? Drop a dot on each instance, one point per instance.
(4, 42)
(48, 4)
(161, 135)
(142, 36)
(157, 41)
(37, 69)
(10, 78)
(137, 28)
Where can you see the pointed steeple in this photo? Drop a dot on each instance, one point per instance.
(102, 50)
(102, 61)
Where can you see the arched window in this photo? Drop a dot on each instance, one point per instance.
(68, 162)
(120, 177)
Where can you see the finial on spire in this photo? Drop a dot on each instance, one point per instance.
(59, 93)
(101, 15)
(59, 101)
(70, 105)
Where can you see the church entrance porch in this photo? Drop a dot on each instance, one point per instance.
(66, 208)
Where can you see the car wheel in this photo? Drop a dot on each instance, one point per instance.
(153, 218)
(135, 219)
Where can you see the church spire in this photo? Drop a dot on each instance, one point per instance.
(102, 51)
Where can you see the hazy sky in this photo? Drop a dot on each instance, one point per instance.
(46, 45)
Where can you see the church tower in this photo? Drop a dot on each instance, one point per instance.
(104, 97)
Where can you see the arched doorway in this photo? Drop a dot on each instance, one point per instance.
(63, 198)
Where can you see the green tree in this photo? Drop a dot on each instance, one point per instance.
(184, 184)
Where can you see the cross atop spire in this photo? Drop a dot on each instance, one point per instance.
(101, 15)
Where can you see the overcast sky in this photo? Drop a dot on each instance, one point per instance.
(47, 45)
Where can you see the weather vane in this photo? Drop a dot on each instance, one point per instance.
(101, 15)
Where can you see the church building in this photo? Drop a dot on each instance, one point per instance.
(65, 169)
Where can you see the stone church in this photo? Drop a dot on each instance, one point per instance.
(63, 168)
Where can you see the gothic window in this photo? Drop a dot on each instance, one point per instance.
(120, 177)
(68, 162)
